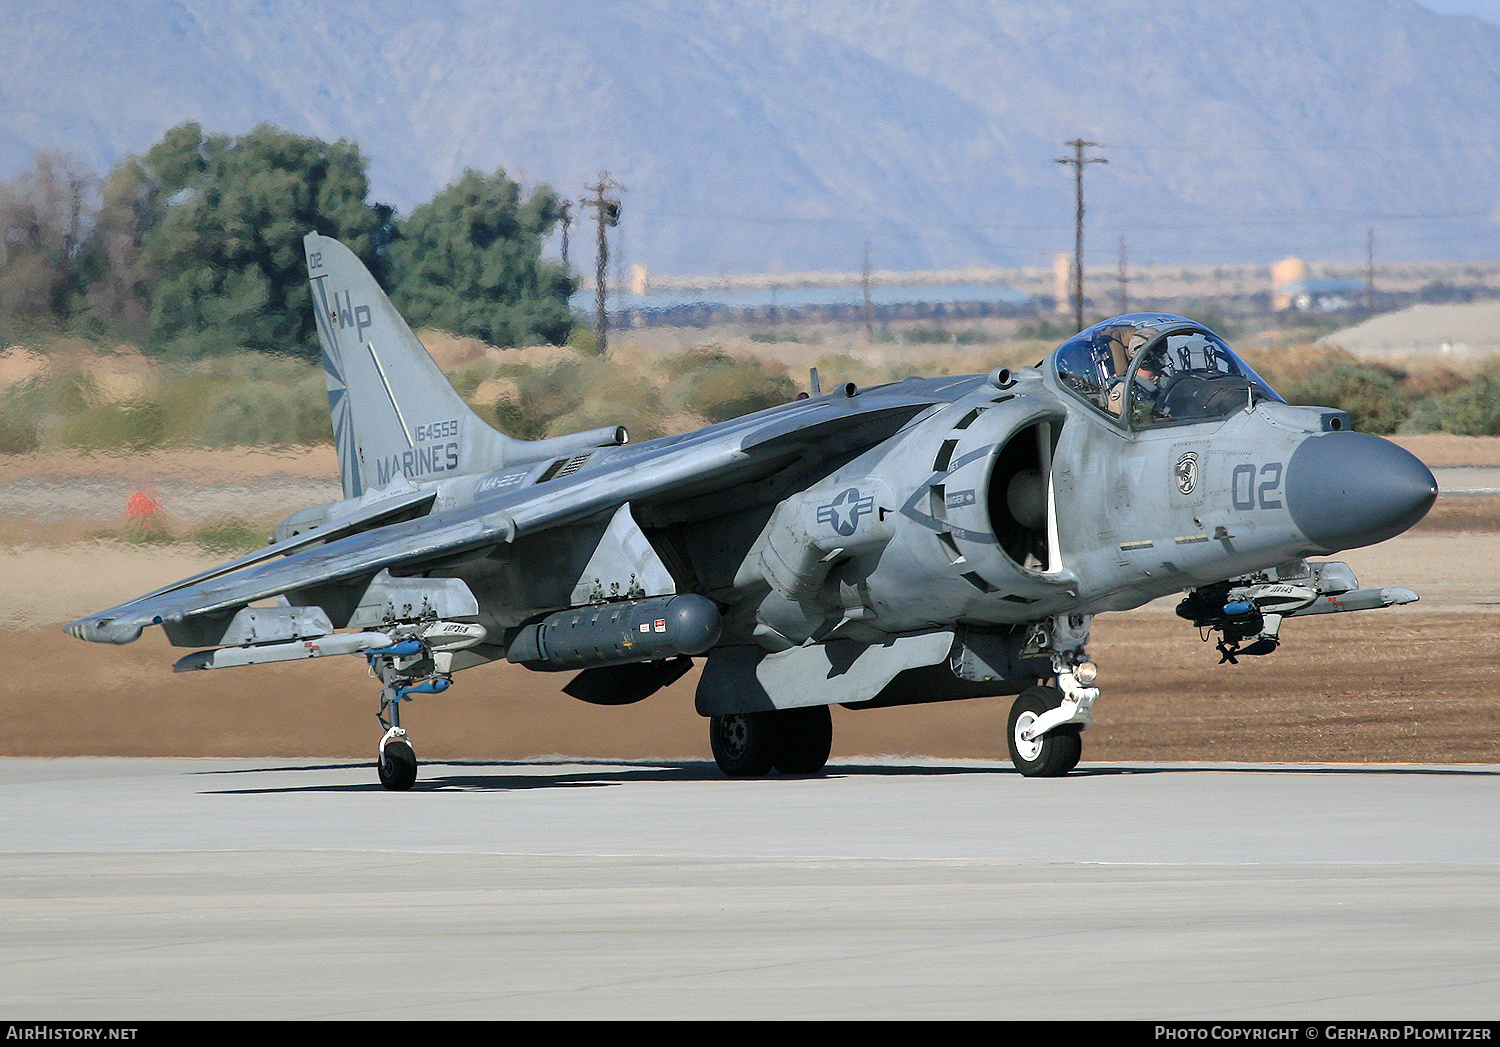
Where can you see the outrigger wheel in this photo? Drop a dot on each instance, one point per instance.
(396, 762)
(1053, 754)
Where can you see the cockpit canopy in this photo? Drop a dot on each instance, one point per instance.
(1154, 369)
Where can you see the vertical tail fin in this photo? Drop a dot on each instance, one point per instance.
(394, 413)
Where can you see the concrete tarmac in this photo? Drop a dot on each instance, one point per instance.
(1468, 479)
(141, 889)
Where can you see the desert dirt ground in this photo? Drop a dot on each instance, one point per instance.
(1412, 684)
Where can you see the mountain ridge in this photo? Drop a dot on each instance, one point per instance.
(783, 134)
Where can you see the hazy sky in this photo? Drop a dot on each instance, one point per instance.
(815, 172)
(1489, 10)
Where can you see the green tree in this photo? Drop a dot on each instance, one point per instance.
(42, 215)
(115, 270)
(227, 250)
(470, 261)
(114, 273)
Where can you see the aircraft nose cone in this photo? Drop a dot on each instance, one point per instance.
(1345, 490)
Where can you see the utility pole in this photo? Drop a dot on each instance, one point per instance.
(869, 309)
(1370, 271)
(1124, 281)
(607, 213)
(1078, 160)
(565, 218)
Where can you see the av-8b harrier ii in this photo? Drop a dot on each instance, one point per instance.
(923, 541)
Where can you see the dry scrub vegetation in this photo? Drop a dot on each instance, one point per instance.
(64, 394)
(1414, 395)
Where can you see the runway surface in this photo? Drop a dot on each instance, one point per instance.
(1468, 479)
(137, 889)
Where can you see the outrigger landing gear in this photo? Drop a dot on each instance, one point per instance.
(405, 668)
(1043, 730)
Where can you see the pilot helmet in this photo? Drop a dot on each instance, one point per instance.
(1150, 371)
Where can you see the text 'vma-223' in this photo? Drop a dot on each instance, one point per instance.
(924, 541)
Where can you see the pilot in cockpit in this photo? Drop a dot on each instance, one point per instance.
(1123, 343)
(1148, 370)
(1150, 378)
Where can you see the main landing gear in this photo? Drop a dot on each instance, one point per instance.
(793, 741)
(1045, 723)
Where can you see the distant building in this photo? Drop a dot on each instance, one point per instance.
(641, 306)
(1284, 274)
(1291, 289)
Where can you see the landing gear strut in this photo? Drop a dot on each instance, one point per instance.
(793, 741)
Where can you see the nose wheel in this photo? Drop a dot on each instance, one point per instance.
(1048, 755)
(1043, 730)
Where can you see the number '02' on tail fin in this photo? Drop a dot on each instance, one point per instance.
(395, 415)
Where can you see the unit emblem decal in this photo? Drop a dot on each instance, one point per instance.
(1186, 471)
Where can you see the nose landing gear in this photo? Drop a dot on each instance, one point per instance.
(1049, 755)
(1043, 730)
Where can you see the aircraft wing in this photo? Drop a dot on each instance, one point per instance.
(718, 457)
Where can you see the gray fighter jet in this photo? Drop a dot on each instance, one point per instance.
(923, 541)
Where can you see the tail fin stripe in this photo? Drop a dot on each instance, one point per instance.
(385, 380)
